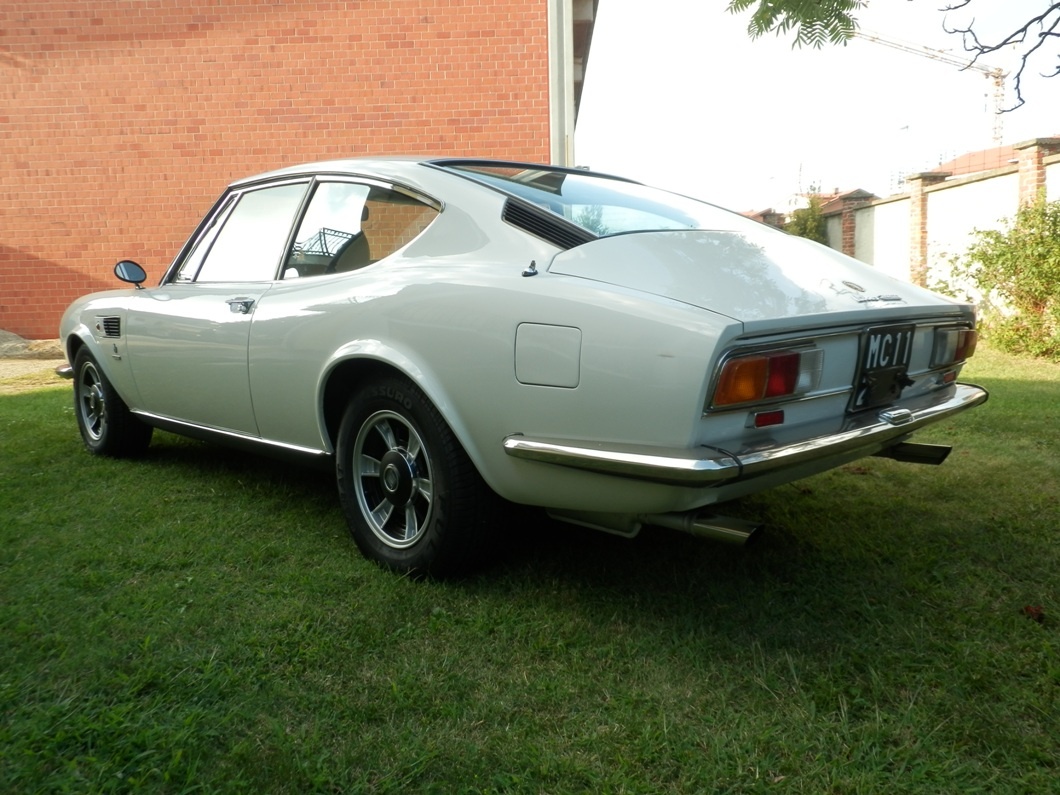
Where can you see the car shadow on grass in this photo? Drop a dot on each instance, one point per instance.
(865, 579)
(810, 581)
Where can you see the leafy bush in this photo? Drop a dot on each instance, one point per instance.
(808, 222)
(1017, 271)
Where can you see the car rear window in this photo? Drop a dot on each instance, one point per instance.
(600, 204)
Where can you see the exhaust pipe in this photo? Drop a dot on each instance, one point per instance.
(916, 453)
(727, 529)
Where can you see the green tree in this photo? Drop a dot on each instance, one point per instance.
(809, 222)
(1017, 271)
(815, 22)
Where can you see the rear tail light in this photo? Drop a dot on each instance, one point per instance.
(767, 376)
(953, 345)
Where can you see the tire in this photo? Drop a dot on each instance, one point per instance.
(106, 424)
(413, 500)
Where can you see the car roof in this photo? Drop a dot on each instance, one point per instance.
(399, 168)
(381, 167)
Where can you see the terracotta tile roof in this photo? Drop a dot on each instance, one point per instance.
(975, 162)
(836, 202)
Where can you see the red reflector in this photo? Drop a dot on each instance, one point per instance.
(766, 418)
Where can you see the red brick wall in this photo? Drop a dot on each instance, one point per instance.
(122, 120)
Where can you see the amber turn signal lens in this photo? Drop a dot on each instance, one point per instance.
(747, 379)
(742, 381)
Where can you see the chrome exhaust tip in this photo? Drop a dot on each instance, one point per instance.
(726, 529)
(916, 453)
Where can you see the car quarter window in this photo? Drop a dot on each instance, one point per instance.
(349, 225)
(250, 240)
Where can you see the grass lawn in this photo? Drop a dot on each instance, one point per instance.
(199, 622)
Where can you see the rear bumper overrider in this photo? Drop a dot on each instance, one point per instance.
(870, 431)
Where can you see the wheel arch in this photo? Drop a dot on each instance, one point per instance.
(347, 374)
(340, 383)
(71, 345)
(81, 337)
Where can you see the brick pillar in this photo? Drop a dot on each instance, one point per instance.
(1032, 156)
(849, 227)
(848, 219)
(918, 222)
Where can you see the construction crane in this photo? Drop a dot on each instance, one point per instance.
(994, 74)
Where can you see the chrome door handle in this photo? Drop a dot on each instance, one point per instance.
(240, 306)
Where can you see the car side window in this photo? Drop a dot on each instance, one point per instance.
(251, 240)
(330, 233)
(187, 270)
(348, 226)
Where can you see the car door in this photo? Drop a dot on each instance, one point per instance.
(188, 338)
(337, 264)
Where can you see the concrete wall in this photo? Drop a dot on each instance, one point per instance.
(1052, 184)
(834, 231)
(864, 232)
(881, 236)
(956, 209)
(122, 120)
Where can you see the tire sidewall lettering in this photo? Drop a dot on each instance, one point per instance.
(396, 395)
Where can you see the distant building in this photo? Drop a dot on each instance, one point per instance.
(768, 216)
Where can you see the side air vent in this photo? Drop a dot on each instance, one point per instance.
(110, 326)
(545, 225)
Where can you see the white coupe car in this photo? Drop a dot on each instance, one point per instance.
(441, 331)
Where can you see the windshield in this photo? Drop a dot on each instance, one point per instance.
(604, 205)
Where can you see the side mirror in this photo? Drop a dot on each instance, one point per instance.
(129, 271)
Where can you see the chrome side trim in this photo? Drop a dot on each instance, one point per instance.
(686, 467)
(788, 400)
(220, 435)
(707, 466)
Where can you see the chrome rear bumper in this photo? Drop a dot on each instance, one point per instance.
(705, 466)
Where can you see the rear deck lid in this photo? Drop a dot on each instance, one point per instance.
(749, 275)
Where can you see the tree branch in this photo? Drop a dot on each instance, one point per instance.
(1046, 28)
(817, 22)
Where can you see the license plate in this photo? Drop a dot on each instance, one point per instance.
(883, 365)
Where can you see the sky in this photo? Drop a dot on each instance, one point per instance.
(677, 95)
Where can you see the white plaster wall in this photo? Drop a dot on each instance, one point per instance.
(888, 245)
(1052, 184)
(834, 231)
(864, 229)
(954, 214)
